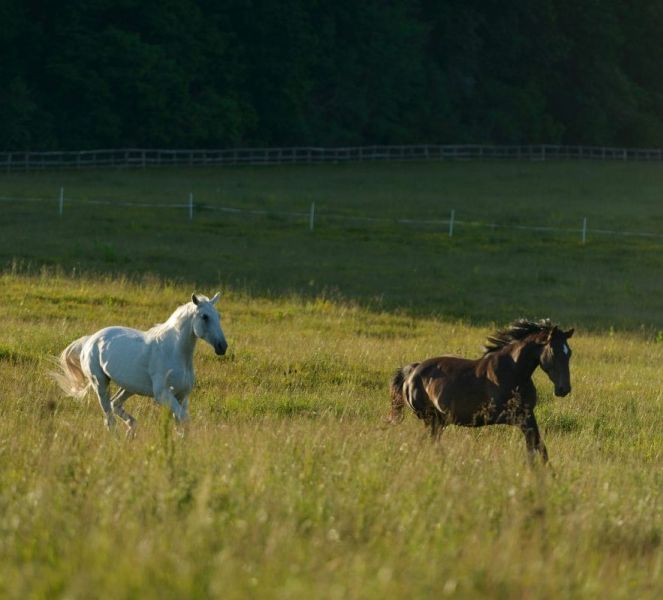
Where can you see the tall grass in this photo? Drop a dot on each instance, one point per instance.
(287, 483)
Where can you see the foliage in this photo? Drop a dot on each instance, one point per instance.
(81, 74)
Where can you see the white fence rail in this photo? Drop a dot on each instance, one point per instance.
(141, 158)
(314, 217)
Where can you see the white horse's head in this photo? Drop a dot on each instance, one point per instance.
(207, 322)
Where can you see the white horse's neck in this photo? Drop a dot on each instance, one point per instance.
(178, 332)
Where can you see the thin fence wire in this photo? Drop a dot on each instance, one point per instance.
(322, 216)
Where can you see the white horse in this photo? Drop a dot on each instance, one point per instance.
(156, 363)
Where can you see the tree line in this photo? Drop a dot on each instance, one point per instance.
(78, 74)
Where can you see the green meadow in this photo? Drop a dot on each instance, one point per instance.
(287, 483)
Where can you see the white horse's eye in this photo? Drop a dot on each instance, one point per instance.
(205, 317)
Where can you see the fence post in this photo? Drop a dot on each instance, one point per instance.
(451, 222)
(190, 206)
(61, 208)
(584, 230)
(311, 218)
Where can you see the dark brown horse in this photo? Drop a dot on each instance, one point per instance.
(494, 389)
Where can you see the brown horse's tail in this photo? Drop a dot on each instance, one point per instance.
(70, 376)
(396, 393)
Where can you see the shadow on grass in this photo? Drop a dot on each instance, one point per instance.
(479, 276)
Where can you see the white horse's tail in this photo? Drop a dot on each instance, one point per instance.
(70, 376)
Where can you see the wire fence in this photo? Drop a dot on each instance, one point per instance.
(142, 158)
(314, 218)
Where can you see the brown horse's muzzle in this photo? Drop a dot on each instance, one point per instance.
(562, 390)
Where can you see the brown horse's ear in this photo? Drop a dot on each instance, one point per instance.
(549, 337)
(569, 333)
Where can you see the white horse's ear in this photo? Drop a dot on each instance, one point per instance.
(194, 299)
(215, 298)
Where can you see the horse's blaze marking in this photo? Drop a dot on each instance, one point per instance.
(566, 349)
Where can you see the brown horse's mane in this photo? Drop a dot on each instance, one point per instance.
(518, 330)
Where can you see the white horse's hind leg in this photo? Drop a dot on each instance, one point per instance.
(100, 386)
(91, 366)
(117, 401)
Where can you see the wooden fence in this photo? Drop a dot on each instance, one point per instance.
(139, 158)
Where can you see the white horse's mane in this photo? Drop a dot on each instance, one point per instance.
(174, 322)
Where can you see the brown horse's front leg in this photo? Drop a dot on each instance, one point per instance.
(530, 429)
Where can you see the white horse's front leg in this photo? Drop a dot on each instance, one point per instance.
(164, 396)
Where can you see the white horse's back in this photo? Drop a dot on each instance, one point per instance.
(123, 355)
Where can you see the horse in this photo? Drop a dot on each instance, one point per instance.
(157, 363)
(494, 389)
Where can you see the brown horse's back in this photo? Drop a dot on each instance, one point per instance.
(447, 364)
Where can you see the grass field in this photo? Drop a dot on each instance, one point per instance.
(480, 274)
(286, 483)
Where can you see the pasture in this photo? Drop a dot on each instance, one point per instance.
(287, 483)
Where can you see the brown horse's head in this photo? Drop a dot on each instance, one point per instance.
(555, 357)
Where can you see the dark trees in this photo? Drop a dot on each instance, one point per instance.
(212, 73)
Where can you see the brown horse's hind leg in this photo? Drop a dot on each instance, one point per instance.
(396, 393)
(437, 422)
(530, 429)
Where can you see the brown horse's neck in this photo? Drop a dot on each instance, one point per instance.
(511, 366)
(526, 358)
